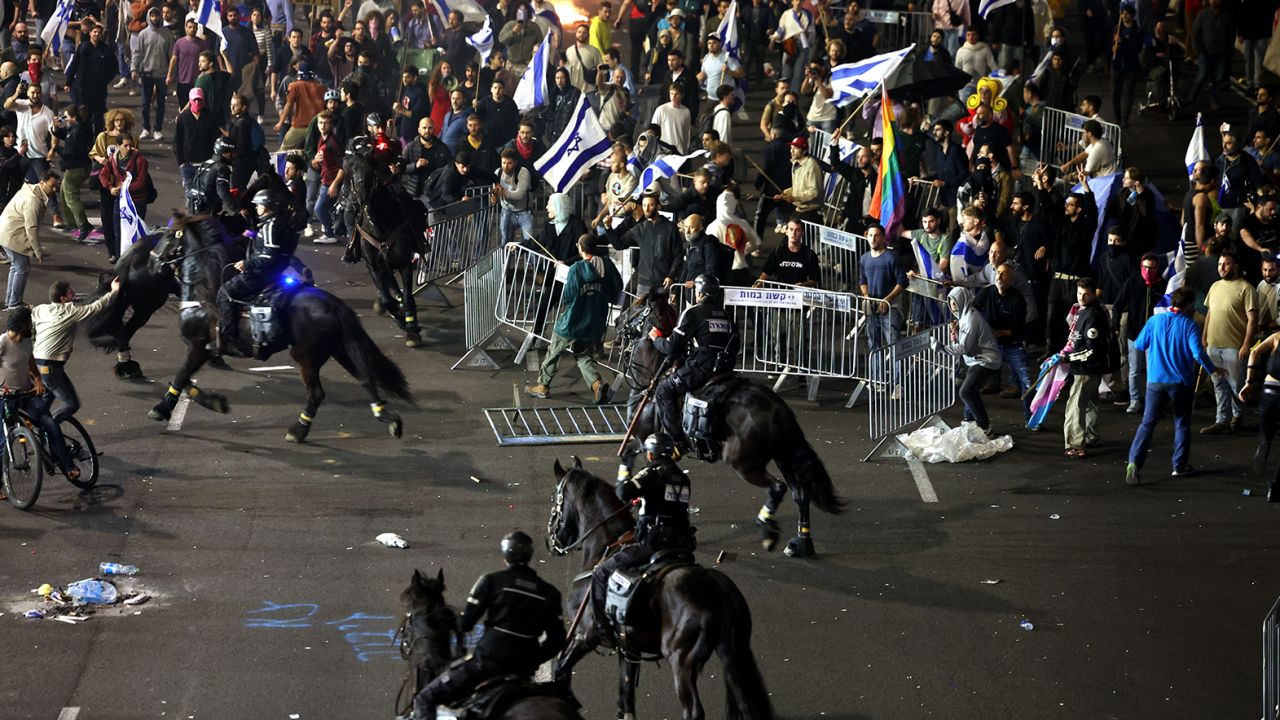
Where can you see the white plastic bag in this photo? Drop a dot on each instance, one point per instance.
(940, 444)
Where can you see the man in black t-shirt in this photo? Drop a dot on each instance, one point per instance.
(1259, 234)
(793, 263)
(986, 131)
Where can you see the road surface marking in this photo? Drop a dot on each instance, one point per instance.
(922, 481)
(270, 368)
(69, 713)
(179, 414)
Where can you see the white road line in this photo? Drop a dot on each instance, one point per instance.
(270, 368)
(922, 481)
(69, 713)
(179, 413)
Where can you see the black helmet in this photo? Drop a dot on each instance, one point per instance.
(264, 197)
(707, 285)
(660, 445)
(359, 145)
(223, 145)
(373, 119)
(517, 548)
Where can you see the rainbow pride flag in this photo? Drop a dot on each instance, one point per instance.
(888, 204)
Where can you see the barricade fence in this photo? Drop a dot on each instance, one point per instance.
(1061, 134)
(911, 380)
(459, 235)
(481, 284)
(900, 29)
(1271, 665)
(838, 253)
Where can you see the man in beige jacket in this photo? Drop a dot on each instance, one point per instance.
(55, 325)
(19, 232)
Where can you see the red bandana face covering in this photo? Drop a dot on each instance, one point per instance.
(33, 69)
(526, 151)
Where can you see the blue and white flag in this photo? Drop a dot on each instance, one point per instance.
(482, 41)
(1041, 66)
(279, 160)
(986, 6)
(728, 31)
(924, 261)
(56, 28)
(210, 16)
(583, 144)
(663, 168)
(532, 90)
(968, 262)
(852, 81)
(848, 149)
(281, 10)
(470, 10)
(132, 228)
(1196, 150)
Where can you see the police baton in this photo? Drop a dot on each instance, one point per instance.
(644, 400)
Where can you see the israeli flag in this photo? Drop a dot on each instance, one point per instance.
(469, 9)
(132, 228)
(482, 41)
(969, 261)
(210, 16)
(728, 31)
(581, 145)
(281, 9)
(852, 81)
(848, 149)
(924, 261)
(1196, 150)
(56, 28)
(278, 161)
(532, 90)
(663, 168)
(986, 6)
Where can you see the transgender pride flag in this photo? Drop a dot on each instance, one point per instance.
(888, 204)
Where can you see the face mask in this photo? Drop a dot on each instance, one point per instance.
(1150, 276)
(1055, 42)
(33, 69)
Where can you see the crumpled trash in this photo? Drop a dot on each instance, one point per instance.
(93, 592)
(392, 540)
(940, 444)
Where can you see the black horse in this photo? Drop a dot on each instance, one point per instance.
(429, 642)
(391, 226)
(754, 426)
(318, 325)
(691, 612)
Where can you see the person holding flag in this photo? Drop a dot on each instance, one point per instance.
(888, 202)
(124, 175)
(719, 64)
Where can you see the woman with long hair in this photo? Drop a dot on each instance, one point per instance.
(74, 142)
(126, 160)
(439, 85)
(119, 122)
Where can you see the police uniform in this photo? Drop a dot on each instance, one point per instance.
(269, 254)
(210, 191)
(707, 338)
(519, 607)
(663, 523)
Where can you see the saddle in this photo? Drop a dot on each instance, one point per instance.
(632, 586)
(268, 333)
(492, 698)
(701, 409)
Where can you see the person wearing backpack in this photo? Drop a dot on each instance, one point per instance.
(250, 142)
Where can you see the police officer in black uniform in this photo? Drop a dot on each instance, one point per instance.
(707, 339)
(210, 190)
(384, 153)
(662, 489)
(270, 252)
(518, 607)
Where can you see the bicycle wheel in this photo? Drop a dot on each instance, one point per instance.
(83, 453)
(22, 468)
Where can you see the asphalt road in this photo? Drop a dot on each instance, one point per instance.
(272, 600)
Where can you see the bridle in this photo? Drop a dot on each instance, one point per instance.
(417, 627)
(630, 333)
(558, 517)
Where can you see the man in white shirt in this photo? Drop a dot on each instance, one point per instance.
(674, 120)
(1097, 156)
(583, 60)
(721, 117)
(718, 67)
(975, 57)
(36, 142)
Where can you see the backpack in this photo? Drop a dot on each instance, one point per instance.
(257, 138)
(707, 121)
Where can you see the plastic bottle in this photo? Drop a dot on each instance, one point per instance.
(1026, 625)
(95, 592)
(110, 568)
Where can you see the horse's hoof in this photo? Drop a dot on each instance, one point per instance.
(769, 534)
(213, 401)
(217, 362)
(379, 308)
(128, 370)
(159, 413)
(799, 547)
(395, 427)
(413, 339)
(297, 433)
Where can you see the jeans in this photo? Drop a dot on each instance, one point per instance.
(153, 92)
(1226, 389)
(324, 211)
(72, 180)
(882, 331)
(313, 187)
(509, 220)
(1015, 356)
(1137, 374)
(1159, 397)
(971, 395)
(37, 407)
(1211, 69)
(586, 359)
(1081, 425)
(19, 265)
(1254, 52)
(54, 375)
(793, 68)
(188, 173)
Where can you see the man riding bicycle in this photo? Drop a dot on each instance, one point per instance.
(55, 326)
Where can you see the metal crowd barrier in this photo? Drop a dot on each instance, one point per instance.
(911, 380)
(1271, 665)
(459, 236)
(481, 284)
(900, 29)
(838, 252)
(921, 196)
(1061, 133)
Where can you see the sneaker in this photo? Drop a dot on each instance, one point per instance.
(155, 135)
(133, 92)
(309, 232)
(539, 391)
(1216, 429)
(1134, 408)
(1184, 471)
(1131, 474)
(121, 83)
(142, 135)
(325, 240)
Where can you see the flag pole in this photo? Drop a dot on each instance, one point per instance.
(840, 130)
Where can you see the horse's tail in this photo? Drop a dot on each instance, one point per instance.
(805, 470)
(368, 359)
(742, 679)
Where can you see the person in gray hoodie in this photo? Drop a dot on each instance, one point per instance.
(973, 340)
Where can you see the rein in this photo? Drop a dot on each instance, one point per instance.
(556, 522)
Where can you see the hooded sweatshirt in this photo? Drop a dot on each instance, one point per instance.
(976, 343)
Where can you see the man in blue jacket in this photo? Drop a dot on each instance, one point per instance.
(1172, 343)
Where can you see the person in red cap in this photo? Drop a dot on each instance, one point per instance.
(193, 139)
(804, 198)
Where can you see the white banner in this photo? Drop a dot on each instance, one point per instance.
(758, 297)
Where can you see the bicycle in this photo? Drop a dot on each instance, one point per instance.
(27, 458)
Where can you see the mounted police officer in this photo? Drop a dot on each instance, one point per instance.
(270, 252)
(210, 190)
(662, 489)
(707, 339)
(518, 607)
(384, 153)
